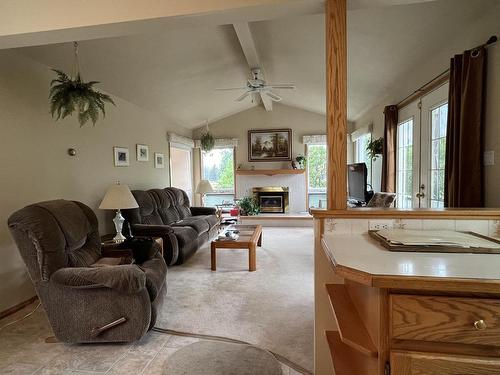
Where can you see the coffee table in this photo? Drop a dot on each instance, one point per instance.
(250, 236)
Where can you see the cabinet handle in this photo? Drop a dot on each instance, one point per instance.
(480, 325)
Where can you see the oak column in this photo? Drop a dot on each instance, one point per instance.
(336, 102)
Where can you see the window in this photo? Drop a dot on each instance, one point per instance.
(218, 168)
(180, 169)
(361, 154)
(439, 116)
(316, 175)
(404, 163)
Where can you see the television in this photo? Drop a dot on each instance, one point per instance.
(357, 176)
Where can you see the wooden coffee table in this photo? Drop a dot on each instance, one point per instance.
(250, 236)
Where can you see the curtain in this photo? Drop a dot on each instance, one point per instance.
(463, 185)
(388, 183)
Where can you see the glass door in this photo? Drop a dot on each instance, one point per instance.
(181, 175)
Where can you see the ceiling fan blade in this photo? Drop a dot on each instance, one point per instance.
(283, 86)
(273, 96)
(242, 97)
(230, 88)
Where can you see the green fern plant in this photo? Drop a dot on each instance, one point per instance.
(68, 95)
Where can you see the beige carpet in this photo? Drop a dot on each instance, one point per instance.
(272, 308)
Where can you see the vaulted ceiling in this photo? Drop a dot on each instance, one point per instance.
(174, 72)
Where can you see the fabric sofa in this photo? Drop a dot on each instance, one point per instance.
(167, 213)
(81, 293)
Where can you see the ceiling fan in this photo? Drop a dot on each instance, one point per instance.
(257, 85)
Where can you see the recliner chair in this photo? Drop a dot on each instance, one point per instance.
(84, 300)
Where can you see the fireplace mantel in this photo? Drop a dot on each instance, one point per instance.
(268, 172)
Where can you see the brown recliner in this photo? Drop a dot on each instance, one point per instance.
(60, 244)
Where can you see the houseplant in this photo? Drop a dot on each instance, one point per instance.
(69, 94)
(375, 148)
(301, 160)
(207, 140)
(249, 206)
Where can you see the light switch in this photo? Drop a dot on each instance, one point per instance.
(489, 158)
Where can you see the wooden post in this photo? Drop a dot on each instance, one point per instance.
(336, 102)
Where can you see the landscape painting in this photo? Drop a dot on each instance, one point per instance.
(270, 145)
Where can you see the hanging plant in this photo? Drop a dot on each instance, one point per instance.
(70, 94)
(207, 140)
(375, 148)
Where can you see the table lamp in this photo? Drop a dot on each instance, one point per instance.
(203, 188)
(118, 197)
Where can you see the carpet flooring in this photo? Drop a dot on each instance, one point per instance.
(272, 308)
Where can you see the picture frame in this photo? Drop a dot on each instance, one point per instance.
(142, 152)
(267, 145)
(159, 160)
(121, 156)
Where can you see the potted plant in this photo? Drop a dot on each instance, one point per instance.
(207, 140)
(301, 160)
(375, 148)
(249, 206)
(69, 94)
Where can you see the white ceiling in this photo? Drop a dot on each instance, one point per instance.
(174, 72)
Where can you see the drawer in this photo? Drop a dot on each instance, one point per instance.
(412, 363)
(445, 319)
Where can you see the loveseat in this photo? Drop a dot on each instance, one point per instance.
(166, 213)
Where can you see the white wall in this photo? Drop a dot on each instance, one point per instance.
(433, 65)
(35, 165)
(236, 126)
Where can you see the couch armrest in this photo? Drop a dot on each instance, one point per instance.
(124, 278)
(195, 211)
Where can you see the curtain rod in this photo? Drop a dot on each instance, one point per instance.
(491, 40)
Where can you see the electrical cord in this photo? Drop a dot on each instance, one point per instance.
(20, 319)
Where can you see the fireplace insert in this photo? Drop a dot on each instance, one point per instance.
(272, 199)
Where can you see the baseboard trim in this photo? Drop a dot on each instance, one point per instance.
(16, 308)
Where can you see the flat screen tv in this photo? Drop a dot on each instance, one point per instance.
(357, 176)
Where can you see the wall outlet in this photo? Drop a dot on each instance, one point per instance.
(380, 224)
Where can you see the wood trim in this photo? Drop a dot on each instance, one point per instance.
(277, 217)
(425, 89)
(417, 213)
(17, 307)
(336, 102)
(268, 172)
(352, 330)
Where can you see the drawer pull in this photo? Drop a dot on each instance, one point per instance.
(480, 325)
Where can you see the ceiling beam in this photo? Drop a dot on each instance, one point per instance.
(247, 43)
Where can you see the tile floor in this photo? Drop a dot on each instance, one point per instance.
(23, 351)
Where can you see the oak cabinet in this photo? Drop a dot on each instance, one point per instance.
(414, 363)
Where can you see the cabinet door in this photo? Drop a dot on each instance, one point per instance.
(413, 363)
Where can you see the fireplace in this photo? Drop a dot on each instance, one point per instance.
(272, 199)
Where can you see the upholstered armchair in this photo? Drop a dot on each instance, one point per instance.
(90, 294)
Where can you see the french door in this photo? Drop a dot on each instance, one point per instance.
(421, 149)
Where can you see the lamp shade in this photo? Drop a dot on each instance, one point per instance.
(204, 187)
(118, 197)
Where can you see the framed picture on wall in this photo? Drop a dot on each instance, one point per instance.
(159, 160)
(121, 156)
(270, 145)
(142, 152)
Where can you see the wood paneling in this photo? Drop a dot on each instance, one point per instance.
(346, 360)
(336, 102)
(446, 319)
(411, 363)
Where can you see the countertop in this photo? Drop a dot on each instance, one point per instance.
(359, 252)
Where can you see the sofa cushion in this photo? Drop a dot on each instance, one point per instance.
(180, 201)
(212, 220)
(147, 213)
(185, 235)
(166, 207)
(199, 224)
